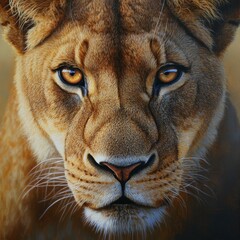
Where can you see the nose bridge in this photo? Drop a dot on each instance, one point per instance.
(121, 121)
(122, 130)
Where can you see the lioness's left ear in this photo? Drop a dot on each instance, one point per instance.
(26, 23)
(213, 22)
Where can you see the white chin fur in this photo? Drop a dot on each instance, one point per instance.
(124, 220)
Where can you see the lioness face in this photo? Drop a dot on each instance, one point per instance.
(126, 100)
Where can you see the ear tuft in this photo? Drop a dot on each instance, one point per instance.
(28, 23)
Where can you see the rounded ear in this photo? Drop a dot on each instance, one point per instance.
(27, 23)
(212, 22)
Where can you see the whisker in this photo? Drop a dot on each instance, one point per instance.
(59, 193)
(58, 200)
(65, 211)
(46, 173)
(48, 161)
(40, 171)
(192, 175)
(158, 25)
(74, 209)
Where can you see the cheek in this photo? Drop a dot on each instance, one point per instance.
(180, 120)
(61, 105)
(54, 110)
(182, 102)
(187, 136)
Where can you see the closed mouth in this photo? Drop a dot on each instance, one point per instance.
(124, 202)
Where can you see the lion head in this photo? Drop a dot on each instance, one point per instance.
(128, 94)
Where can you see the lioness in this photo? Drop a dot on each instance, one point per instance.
(118, 117)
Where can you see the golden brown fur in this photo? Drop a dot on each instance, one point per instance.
(51, 131)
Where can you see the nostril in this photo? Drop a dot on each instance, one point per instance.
(144, 165)
(150, 161)
(93, 162)
(91, 159)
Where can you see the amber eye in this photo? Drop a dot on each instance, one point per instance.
(169, 74)
(71, 76)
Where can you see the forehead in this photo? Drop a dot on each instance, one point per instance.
(117, 16)
(115, 24)
(117, 34)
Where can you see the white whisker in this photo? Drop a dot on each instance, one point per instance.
(58, 200)
(158, 25)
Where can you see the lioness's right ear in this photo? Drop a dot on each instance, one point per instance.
(26, 23)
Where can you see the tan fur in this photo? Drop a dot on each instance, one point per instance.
(199, 8)
(16, 16)
(193, 13)
(52, 131)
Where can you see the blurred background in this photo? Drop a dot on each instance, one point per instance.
(231, 61)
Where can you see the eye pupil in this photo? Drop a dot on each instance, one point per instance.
(72, 72)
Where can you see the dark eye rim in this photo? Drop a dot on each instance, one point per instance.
(157, 85)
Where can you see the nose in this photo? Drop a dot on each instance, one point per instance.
(123, 169)
(121, 173)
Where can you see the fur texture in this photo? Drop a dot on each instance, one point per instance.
(199, 16)
(32, 21)
(55, 136)
(198, 8)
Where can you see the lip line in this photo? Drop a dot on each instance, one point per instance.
(110, 206)
(165, 202)
(124, 201)
(135, 205)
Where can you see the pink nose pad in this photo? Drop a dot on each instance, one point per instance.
(123, 174)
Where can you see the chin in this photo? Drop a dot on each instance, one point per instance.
(124, 219)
